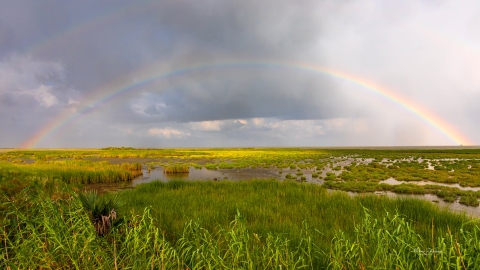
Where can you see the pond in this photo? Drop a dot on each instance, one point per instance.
(194, 174)
(269, 173)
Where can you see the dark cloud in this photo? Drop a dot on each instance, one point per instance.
(56, 55)
(8, 40)
(263, 28)
(278, 95)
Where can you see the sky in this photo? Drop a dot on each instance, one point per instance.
(239, 73)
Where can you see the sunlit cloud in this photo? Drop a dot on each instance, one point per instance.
(167, 133)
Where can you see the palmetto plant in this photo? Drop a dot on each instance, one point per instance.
(102, 210)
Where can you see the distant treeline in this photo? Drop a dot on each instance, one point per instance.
(127, 148)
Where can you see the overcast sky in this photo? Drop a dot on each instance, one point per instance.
(217, 73)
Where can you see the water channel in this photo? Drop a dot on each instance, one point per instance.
(249, 173)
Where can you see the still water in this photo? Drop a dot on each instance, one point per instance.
(217, 175)
(455, 206)
(393, 181)
(194, 174)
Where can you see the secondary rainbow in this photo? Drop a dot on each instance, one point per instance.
(73, 31)
(118, 87)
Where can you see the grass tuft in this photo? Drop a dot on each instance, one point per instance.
(177, 168)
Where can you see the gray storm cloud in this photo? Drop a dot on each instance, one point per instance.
(56, 55)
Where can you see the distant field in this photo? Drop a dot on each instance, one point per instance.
(7, 149)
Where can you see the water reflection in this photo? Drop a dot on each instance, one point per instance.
(194, 174)
(394, 182)
(454, 206)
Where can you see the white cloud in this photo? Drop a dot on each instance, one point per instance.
(42, 94)
(24, 77)
(72, 102)
(206, 125)
(168, 133)
(280, 128)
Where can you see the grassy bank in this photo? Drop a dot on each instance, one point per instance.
(277, 207)
(228, 225)
(14, 176)
(267, 224)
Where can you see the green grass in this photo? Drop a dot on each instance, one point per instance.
(70, 171)
(405, 164)
(58, 234)
(264, 225)
(177, 168)
(448, 194)
(272, 206)
(237, 225)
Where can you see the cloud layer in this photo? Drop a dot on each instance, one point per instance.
(60, 61)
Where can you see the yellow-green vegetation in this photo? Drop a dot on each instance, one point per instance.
(227, 158)
(267, 224)
(14, 177)
(347, 169)
(176, 168)
(465, 172)
(290, 176)
(448, 194)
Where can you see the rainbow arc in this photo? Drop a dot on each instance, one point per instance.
(149, 74)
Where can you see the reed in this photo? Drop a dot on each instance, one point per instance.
(70, 172)
(39, 232)
(450, 166)
(176, 168)
(392, 243)
(272, 206)
(59, 235)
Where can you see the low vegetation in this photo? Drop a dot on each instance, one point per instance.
(308, 228)
(177, 168)
(448, 194)
(48, 220)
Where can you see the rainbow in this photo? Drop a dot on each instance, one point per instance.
(152, 73)
(73, 31)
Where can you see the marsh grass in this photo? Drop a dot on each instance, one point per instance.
(290, 176)
(59, 235)
(469, 200)
(460, 165)
(82, 172)
(391, 242)
(176, 168)
(41, 232)
(448, 194)
(248, 224)
(272, 206)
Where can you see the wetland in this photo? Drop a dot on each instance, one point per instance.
(181, 200)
